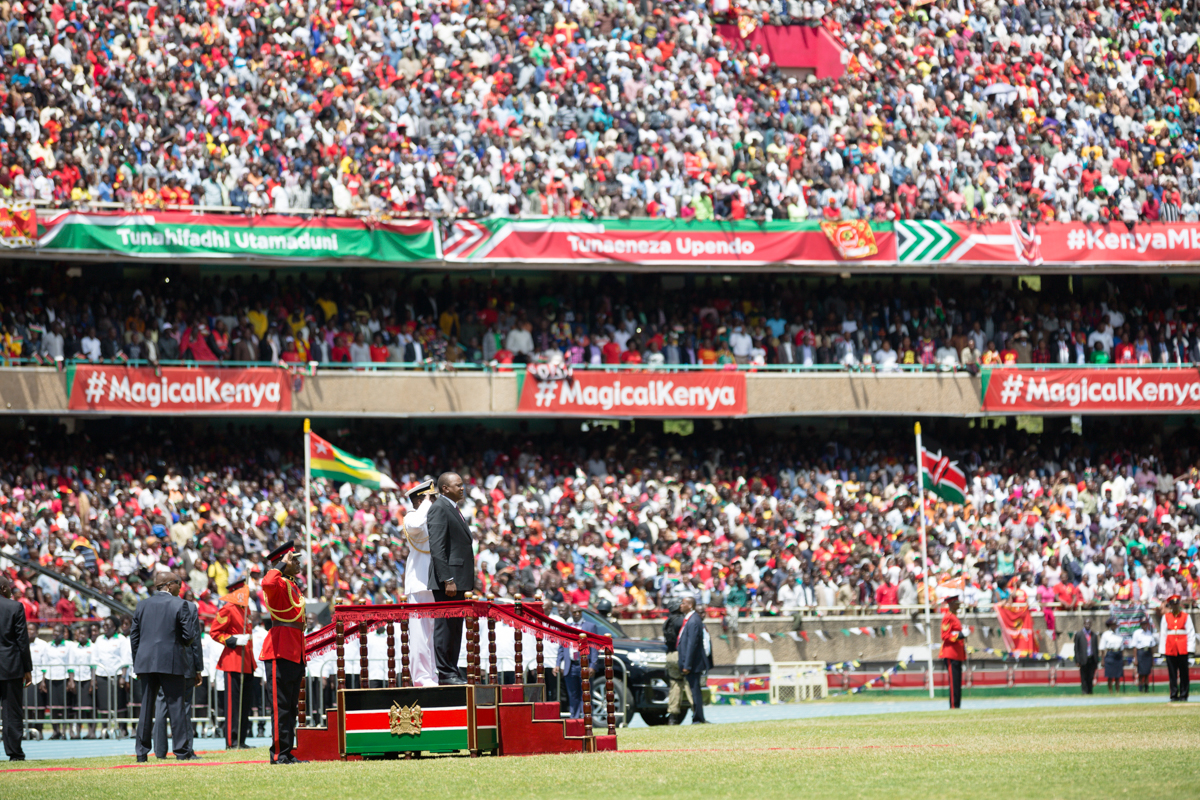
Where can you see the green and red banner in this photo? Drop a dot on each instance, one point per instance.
(273, 238)
(664, 242)
(434, 718)
(643, 242)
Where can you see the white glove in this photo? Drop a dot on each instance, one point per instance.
(238, 640)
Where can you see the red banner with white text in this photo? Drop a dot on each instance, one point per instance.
(175, 390)
(637, 394)
(1092, 391)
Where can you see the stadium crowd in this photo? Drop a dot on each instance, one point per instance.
(806, 520)
(1056, 109)
(861, 323)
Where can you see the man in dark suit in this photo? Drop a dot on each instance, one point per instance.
(16, 670)
(571, 667)
(693, 657)
(451, 571)
(193, 680)
(162, 640)
(1087, 655)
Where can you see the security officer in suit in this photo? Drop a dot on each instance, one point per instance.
(16, 669)
(451, 571)
(165, 629)
(570, 665)
(693, 657)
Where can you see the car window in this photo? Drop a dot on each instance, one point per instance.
(609, 626)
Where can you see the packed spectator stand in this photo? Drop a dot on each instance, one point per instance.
(462, 321)
(945, 111)
(807, 520)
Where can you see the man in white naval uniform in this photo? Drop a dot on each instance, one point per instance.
(416, 586)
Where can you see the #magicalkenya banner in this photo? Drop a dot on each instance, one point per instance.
(636, 394)
(174, 390)
(1096, 391)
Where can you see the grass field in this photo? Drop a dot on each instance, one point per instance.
(1086, 752)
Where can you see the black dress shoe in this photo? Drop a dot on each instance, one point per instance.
(701, 722)
(16, 758)
(192, 757)
(141, 759)
(672, 720)
(451, 681)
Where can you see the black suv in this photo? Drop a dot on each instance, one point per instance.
(639, 677)
(644, 665)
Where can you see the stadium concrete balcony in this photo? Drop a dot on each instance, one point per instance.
(386, 390)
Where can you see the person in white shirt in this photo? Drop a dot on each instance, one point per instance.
(520, 340)
(1145, 642)
(885, 357)
(1112, 654)
(83, 659)
(90, 346)
(377, 662)
(112, 656)
(58, 672)
(740, 343)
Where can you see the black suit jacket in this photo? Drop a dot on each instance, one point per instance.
(15, 658)
(692, 655)
(451, 556)
(1082, 653)
(165, 636)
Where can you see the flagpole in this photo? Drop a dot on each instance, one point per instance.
(924, 552)
(308, 504)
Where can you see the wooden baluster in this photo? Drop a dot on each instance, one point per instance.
(518, 650)
(539, 666)
(609, 696)
(391, 645)
(405, 673)
(585, 684)
(472, 644)
(491, 628)
(339, 638)
(363, 680)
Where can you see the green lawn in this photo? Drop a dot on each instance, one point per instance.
(1096, 752)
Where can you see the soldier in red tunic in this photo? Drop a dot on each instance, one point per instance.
(283, 651)
(231, 629)
(954, 647)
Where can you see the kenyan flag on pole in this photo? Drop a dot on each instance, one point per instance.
(943, 477)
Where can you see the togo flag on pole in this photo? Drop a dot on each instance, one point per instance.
(327, 461)
(943, 477)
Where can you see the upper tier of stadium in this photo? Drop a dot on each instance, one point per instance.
(1038, 111)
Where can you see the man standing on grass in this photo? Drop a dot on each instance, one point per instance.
(16, 669)
(165, 626)
(282, 653)
(1177, 639)
(1087, 655)
(693, 658)
(954, 647)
